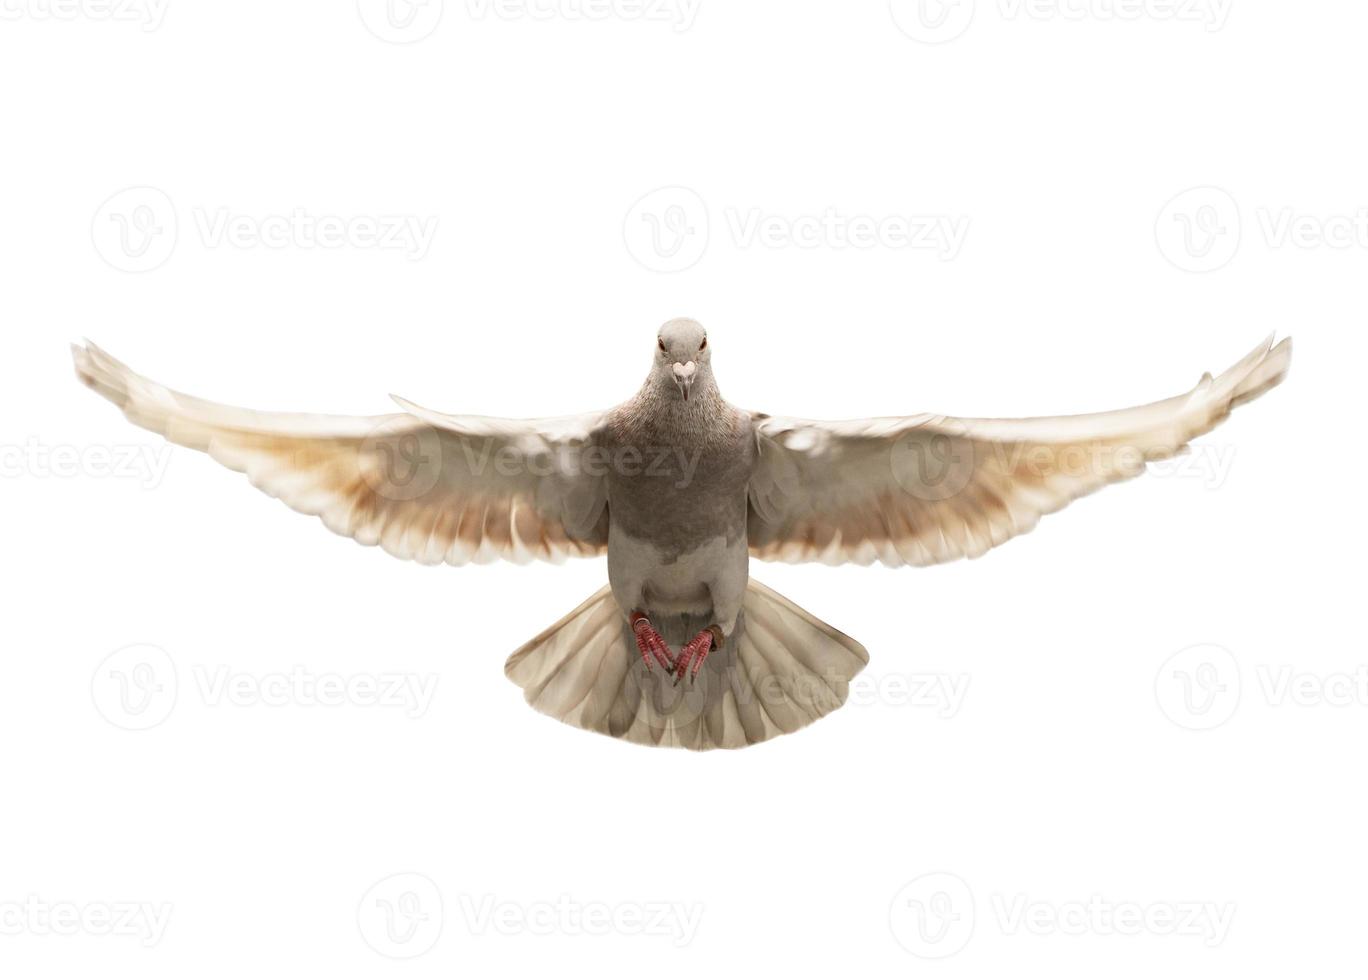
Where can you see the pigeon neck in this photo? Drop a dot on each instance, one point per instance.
(661, 400)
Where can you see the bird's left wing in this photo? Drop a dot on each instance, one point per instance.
(430, 487)
(928, 489)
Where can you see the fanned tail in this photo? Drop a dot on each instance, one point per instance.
(781, 669)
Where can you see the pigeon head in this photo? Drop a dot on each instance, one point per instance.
(682, 356)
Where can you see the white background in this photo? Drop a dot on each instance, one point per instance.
(1070, 772)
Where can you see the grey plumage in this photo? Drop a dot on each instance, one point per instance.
(681, 490)
(677, 541)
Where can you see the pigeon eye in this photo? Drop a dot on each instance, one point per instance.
(704, 344)
(660, 343)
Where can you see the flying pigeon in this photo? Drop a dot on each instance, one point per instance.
(681, 490)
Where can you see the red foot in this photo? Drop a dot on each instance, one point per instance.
(696, 650)
(650, 643)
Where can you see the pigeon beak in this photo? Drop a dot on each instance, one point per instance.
(684, 376)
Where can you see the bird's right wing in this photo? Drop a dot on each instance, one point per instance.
(930, 488)
(430, 487)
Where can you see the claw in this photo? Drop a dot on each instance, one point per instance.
(682, 663)
(650, 643)
(695, 652)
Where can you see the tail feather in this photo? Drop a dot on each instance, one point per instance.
(781, 669)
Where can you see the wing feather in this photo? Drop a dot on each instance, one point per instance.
(424, 486)
(930, 488)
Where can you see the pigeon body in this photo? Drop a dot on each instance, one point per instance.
(677, 519)
(681, 490)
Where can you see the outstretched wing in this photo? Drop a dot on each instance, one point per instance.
(431, 487)
(928, 489)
